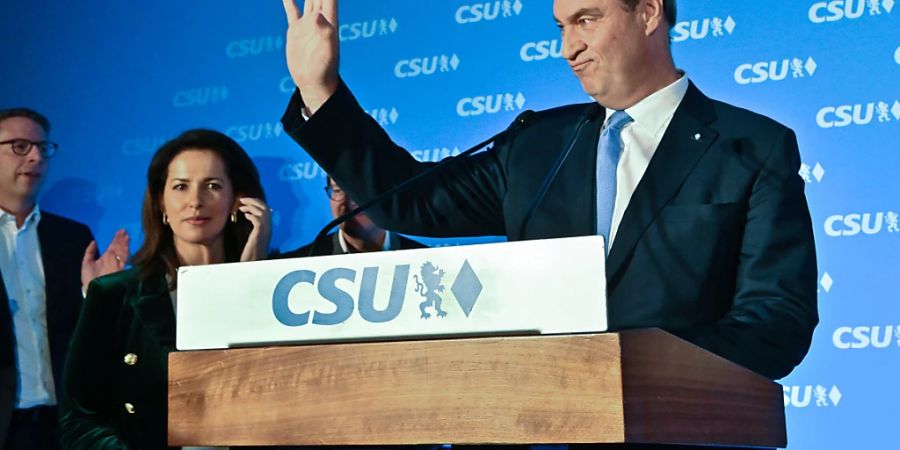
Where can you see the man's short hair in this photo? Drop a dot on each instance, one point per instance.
(27, 113)
(669, 8)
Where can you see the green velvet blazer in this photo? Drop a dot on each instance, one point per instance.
(115, 375)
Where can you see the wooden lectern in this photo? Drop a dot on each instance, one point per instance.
(632, 387)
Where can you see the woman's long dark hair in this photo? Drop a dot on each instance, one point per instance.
(157, 253)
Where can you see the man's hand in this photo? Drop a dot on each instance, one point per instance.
(257, 213)
(312, 49)
(113, 260)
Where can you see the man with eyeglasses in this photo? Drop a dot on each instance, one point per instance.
(356, 235)
(45, 262)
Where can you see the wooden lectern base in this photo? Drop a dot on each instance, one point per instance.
(634, 387)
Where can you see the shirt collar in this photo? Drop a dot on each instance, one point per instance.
(32, 220)
(653, 112)
(388, 240)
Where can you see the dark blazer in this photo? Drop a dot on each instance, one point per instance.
(118, 358)
(331, 245)
(63, 242)
(716, 245)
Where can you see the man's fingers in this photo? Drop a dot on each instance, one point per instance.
(90, 253)
(329, 9)
(311, 6)
(291, 11)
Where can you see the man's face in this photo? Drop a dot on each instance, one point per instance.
(341, 204)
(21, 176)
(605, 45)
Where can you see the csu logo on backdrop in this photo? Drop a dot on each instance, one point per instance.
(200, 97)
(818, 396)
(702, 28)
(810, 173)
(490, 104)
(865, 223)
(466, 288)
(846, 338)
(487, 11)
(384, 116)
(775, 70)
(541, 50)
(859, 114)
(255, 132)
(254, 47)
(834, 10)
(434, 154)
(408, 68)
(142, 146)
(300, 171)
(366, 30)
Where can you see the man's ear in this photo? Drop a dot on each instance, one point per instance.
(653, 15)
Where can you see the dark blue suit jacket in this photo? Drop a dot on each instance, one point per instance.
(716, 245)
(63, 243)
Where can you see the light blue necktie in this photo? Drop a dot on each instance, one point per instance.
(609, 149)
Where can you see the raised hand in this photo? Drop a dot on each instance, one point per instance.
(113, 260)
(312, 49)
(257, 212)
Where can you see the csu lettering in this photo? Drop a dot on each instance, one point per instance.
(343, 301)
(253, 47)
(539, 51)
(408, 68)
(853, 224)
(863, 337)
(845, 115)
(836, 10)
(762, 71)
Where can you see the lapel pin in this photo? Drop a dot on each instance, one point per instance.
(698, 136)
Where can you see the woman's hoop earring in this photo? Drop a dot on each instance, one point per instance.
(165, 219)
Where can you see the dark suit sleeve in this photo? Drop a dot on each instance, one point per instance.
(86, 413)
(771, 320)
(465, 200)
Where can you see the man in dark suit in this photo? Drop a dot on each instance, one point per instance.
(45, 261)
(357, 235)
(708, 227)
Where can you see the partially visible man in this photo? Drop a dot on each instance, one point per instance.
(357, 235)
(708, 229)
(45, 261)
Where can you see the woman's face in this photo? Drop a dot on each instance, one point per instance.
(197, 198)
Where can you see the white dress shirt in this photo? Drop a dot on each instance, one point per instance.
(23, 275)
(640, 139)
(345, 247)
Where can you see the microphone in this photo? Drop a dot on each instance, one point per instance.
(588, 115)
(520, 122)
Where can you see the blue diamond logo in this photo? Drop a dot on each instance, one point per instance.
(466, 288)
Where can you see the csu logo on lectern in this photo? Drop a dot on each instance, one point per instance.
(332, 285)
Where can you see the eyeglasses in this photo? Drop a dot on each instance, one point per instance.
(21, 147)
(335, 193)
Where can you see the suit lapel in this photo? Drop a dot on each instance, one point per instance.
(47, 236)
(7, 340)
(153, 307)
(686, 139)
(569, 207)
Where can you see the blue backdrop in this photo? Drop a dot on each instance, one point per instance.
(119, 78)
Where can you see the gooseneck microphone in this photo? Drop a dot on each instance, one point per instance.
(521, 121)
(590, 113)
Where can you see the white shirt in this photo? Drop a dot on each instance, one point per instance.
(346, 247)
(23, 275)
(640, 139)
